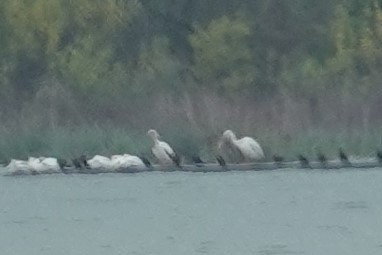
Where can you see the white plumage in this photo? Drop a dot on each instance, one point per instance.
(248, 147)
(51, 165)
(125, 161)
(100, 162)
(161, 150)
(43, 165)
(16, 167)
(115, 162)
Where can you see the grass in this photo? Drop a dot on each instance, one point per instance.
(328, 142)
(20, 143)
(69, 142)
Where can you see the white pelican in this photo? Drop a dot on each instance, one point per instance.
(17, 167)
(161, 150)
(248, 147)
(34, 165)
(44, 165)
(100, 162)
(125, 161)
(51, 164)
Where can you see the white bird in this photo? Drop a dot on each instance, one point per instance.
(125, 161)
(43, 165)
(161, 150)
(100, 162)
(51, 165)
(34, 164)
(17, 167)
(248, 147)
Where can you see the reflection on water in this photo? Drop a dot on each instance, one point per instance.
(277, 212)
(344, 205)
(277, 249)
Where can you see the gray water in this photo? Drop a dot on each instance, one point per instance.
(266, 213)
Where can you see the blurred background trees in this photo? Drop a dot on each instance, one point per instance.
(200, 65)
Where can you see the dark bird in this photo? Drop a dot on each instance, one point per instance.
(84, 161)
(278, 159)
(145, 161)
(379, 156)
(221, 161)
(76, 163)
(62, 163)
(197, 160)
(80, 162)
(322, 159)
(304, 161)
(343, 157)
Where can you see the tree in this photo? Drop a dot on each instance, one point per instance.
(221, 53)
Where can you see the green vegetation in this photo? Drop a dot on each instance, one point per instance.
(91, 140)
(91, 76)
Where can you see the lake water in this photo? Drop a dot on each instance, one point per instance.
(267, 213)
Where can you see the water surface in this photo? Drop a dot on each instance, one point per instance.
(267, 213)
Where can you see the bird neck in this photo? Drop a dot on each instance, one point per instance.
(156, 141)
(233, 139)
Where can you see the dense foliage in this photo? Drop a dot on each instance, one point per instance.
(201, 64)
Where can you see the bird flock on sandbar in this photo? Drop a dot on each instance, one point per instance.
(247, 147)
